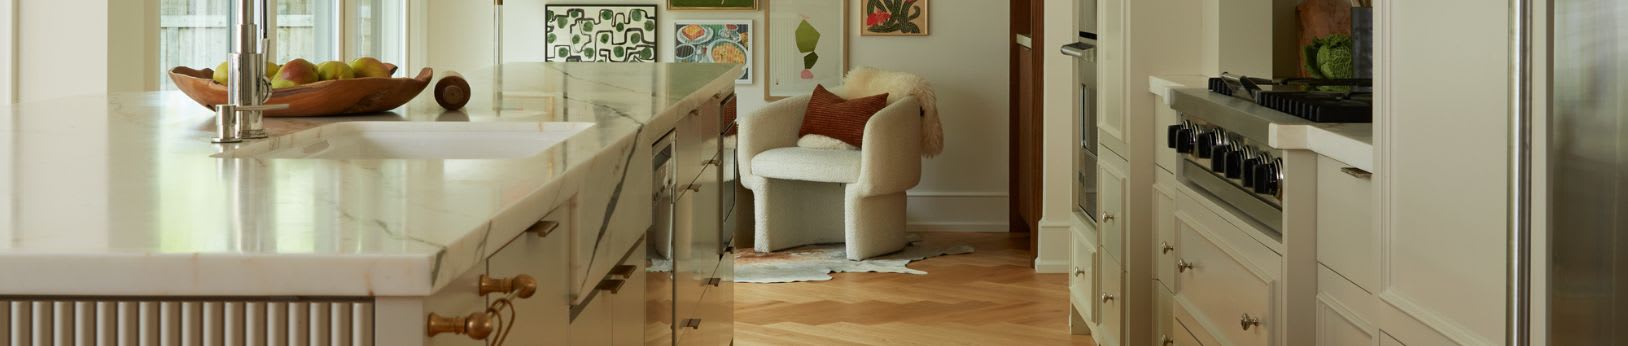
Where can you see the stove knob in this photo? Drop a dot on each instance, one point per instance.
(1251, 166)
(1218, 158)
(1234, 162)
(1259, 183)
(1205, 145)
(1184, 140)
(1171, 135)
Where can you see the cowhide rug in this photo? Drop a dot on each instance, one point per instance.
(817, 262)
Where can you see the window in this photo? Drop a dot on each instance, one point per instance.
(196, 33)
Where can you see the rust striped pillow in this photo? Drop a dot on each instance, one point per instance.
(831, 116)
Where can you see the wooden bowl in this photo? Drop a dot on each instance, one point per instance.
(334, 97)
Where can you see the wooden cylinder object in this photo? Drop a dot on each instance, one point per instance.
(452, 91)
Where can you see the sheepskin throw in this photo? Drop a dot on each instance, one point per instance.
(831, 116)
(865, 81)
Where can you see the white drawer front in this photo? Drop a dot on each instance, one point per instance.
(1223, 289)
(1111, 219)
(1164, 229)
(1082, 282)
(1110, 302)
(1347, 242)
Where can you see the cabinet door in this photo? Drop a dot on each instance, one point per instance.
(540, 254)
(1110, 302)
(628, 318)
(1346, 239)
(1082, 282)
(1110, 225)
(1164, 228)
(1223, 288)
(686, 283)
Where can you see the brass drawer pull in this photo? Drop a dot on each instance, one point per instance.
(477, 325)
(715, 282)
(694, 187)
(522, 286)
(1165, 247)
(713, 162)
(1248, 321)
(1106, 297)
(1357, 172)
(1182, 266)
(1166, 340)
(1107, 217)
(612, 285)
(695, 112)
(1078, 272)
(543, 228)
(692, 323)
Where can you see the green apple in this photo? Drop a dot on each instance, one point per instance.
(295, 72)
(334, 70)
(224, 71)
(368, 67)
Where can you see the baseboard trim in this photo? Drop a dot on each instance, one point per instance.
(969, 227)
(1044, 266)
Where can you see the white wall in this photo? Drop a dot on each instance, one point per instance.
(80, 47)
(965, 58)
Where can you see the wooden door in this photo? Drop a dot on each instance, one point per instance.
(1025, 124)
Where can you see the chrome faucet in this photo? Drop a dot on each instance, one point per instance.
(246, 87)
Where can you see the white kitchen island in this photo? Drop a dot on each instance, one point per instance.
(124, 225)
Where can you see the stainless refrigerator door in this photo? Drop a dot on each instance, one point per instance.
(1588, 183)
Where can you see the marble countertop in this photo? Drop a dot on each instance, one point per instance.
(120, 194)
(1352, 144)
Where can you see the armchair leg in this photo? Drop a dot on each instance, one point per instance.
(874, 224)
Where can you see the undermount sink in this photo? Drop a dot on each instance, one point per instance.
(413, 140)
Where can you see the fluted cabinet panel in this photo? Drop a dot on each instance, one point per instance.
(140, 322)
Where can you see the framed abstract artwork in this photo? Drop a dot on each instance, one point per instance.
(714, 5)
(715, 41)
(601, 33)
(894, 18)
(807, 46)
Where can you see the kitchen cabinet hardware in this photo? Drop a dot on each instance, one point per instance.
(1248, 321)
(522, 286)
(695, 112)
(1107, 217)
(1357, 172)
(623, 270)
(1165, 247)
(476, 326)
(1107, 297)
(543, 228)
(1078, 272)
(694, 187)
(715, 282)
(612, 285)
(1166, 340)
(692, 323)
(1183, 265)
(713, 162)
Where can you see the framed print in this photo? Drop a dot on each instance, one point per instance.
(601, 33)
(688, 5)
(894, 18)
(808, 46)
(715, 41)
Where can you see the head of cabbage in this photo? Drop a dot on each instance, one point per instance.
(1331, 57)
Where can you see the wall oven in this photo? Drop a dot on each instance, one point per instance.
(1085, 68)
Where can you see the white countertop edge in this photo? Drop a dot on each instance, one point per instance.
(1164, 85)
(159, 275)
(1326, 141)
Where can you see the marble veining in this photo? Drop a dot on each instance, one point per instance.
(124, 194)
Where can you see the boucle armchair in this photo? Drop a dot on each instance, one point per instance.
(811, 196)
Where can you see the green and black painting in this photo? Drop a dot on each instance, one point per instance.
(601, 33)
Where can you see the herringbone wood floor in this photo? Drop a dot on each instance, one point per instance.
(989, 297)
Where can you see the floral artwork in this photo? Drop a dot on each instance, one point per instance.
(895, 18)
(806, 46)
(715, 41)
(608, 33)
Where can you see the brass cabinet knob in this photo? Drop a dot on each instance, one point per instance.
(1182, 266)
(1166, 340)
(1107, 217)
(522, 285)
(1165, 247)
(1106, 297)
(1078, 272)
(476, 326)
(1248, 321)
